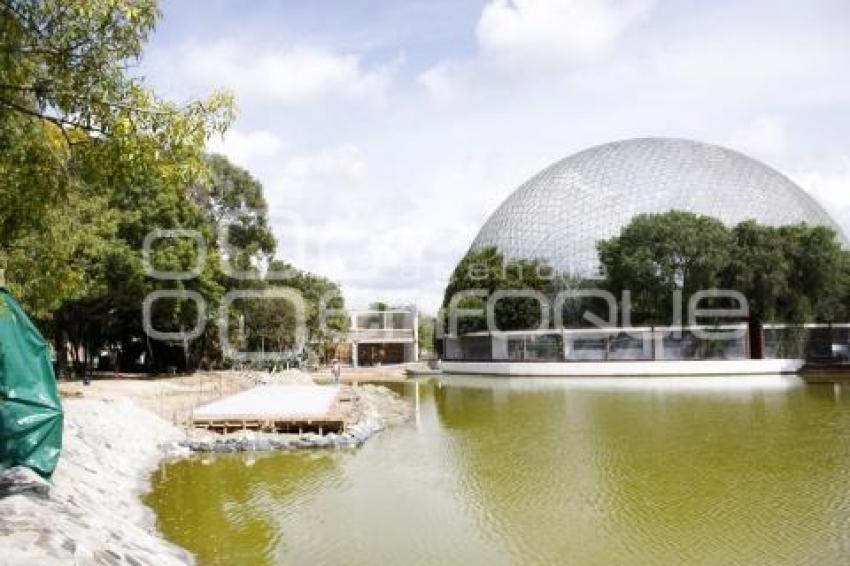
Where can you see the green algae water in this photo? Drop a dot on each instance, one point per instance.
(504, 471)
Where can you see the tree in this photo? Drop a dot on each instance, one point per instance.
(487, 269)
(426, 335)
(231, 197)
(658, 254)
(315, 289)
(788, 274)
(65, 89)
(86, 143)
(791, 274)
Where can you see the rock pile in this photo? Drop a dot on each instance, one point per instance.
(376, 407)
(20, 479)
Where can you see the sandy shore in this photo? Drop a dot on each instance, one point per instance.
(385, 374)
(116, 433)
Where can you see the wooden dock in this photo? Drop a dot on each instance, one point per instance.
(281, 409)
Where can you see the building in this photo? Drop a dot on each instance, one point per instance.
(383, 337)
(560, 214)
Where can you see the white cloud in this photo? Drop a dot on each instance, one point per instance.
(343, 164)
(764, 137)
(558, 45)
(547, 30)
(243, 147)
(292, 75)
(440, 81)
(313, 191)
(753, 65)
(533, 41)
(380, 231)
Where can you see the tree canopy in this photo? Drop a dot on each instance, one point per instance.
(657, 254)
(94, 163)
(788, 273)
(487, 269)
(83, 137)
(792, 274)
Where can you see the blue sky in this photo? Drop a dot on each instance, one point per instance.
(385, 132)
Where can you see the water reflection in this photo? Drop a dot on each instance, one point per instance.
(494, 470)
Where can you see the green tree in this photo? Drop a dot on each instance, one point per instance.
(426, 335)
(788, 274)
(791, 274)
(85, 143)
(658, 254)
(231, 197)
(487, 269)
(314, 289)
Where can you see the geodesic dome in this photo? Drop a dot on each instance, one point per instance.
(560, 213)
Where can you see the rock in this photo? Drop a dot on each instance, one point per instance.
(376, 408)
(21, 479)
(345, 442)
(174, 450)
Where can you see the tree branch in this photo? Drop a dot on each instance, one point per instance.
(119, 105)
(21, 16)
(56, 120)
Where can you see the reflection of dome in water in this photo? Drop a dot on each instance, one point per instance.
(560, 214)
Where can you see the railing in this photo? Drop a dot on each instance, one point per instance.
(380, 335)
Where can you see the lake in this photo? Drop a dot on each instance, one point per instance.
(543, 471)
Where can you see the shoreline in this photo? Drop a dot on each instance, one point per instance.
(114, 441)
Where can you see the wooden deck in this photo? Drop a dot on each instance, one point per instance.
(281, 409)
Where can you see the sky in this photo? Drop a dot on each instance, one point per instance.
(385, 132)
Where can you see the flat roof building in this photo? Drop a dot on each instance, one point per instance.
(383, 337)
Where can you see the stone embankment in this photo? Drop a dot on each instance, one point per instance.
(376, 408)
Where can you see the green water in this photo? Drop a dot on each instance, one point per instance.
(496, 471)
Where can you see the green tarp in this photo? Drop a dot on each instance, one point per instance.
(30, 410)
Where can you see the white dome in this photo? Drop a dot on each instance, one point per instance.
(560, 214)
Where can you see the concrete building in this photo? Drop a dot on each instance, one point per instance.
(384, 337)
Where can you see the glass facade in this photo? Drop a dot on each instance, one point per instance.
(814, 342)
(560, 214)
